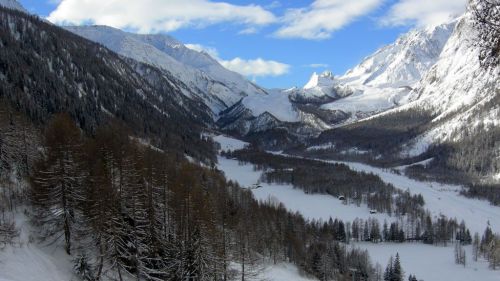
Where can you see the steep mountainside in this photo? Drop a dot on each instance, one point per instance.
(403, 63)
(45, 69)
(452, 115)
(205, 78)
(458, 91)
(383, 80)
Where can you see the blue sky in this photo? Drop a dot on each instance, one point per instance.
(276, 43)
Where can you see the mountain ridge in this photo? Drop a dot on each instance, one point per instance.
(13, 4)
(218, 87)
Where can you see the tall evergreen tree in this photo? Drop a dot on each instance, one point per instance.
(57, 185)
(397, 271)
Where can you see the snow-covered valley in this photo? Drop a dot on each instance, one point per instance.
(110, 168)
(439, 199)
(427, 262)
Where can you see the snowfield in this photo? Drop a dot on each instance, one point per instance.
(311, 206)
(32, 261)
(431, 263)
(230, 144)
(276, 102)
(428, 262)
(369, 100)
(442, 199)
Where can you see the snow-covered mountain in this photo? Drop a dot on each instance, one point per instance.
(453, 109)
(12, 4)
(320, 88)
(379, 83)
(219, 87)
(382, 80)
(237, 104)
(458, 91)
(404, 62)
(319, 81)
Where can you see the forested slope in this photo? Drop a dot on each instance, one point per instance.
(45, 69)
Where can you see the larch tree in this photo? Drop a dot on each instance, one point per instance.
(57, 183)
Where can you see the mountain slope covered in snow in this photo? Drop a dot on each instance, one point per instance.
(380, 82)
(218, 87)
(458, 91)
(450, 115)
(383, 80)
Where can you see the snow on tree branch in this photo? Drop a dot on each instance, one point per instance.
(486, 14)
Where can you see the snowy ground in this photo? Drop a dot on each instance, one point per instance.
(282, 272)
(273, 272)
(442, 199)
(439, 198)
(311, 206)
(31, 261)
(431, 263)
(228, 143)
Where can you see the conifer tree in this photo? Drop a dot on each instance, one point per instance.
(476, 248)
(389, 270)
(397, 271)
(57, 185)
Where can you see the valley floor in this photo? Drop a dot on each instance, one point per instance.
(431, 263)
(426, 261)
(442, 199)
(31, 261)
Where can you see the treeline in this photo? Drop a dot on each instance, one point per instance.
(438, 232)
(488, 246)
(124, 209)
(471, 160)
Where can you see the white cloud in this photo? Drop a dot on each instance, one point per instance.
(147, 16)
(317, 65)
(323, 17)
(273, 5)
(257, 67)
(252, 68)
(249, 30)
(423, 12)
